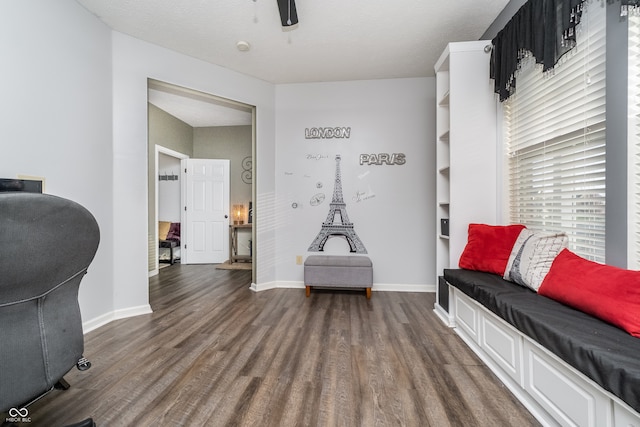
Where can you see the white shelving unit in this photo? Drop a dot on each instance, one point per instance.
(466, 153)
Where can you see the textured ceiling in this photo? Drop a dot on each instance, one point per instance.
(197, 109)
(335, 40)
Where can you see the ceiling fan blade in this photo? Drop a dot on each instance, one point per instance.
(288, 13)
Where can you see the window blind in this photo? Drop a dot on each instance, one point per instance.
(555, 135)
(633, 133)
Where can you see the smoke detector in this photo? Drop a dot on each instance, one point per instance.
(243, 46)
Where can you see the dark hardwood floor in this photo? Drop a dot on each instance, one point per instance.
(214, 353)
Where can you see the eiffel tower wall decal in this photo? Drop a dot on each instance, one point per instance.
(337, 223)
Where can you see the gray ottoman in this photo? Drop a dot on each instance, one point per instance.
(338, 271)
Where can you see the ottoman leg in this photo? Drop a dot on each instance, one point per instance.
(368, 293)
(308, 290)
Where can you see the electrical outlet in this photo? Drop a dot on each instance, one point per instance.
(299, 259)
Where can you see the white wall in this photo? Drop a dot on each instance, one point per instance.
(134, 61)
(74, 110)
(395, 215)
(55, 117)
(169, 202)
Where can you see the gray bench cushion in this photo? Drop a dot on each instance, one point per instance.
(338, 271)
(338, 260)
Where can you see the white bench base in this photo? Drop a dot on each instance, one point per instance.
(553, 391)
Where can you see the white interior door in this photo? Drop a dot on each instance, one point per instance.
(206, 211)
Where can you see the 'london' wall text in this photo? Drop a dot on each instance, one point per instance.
(327, 133)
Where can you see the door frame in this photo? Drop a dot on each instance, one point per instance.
(184, 91)
(172, 153)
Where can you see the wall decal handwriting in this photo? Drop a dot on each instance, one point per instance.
(361, 196)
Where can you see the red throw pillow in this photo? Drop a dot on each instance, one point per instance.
(609, 293)
(489, 247)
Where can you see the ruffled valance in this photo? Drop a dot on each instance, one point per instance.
(544, 29)
(628, 7)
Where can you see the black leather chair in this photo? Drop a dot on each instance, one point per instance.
(46, 246)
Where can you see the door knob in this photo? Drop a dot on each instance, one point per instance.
(226, 216)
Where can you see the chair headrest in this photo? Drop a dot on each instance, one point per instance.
(44, 241)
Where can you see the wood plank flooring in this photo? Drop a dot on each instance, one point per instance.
(214, 353)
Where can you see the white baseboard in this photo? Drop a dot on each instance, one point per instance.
(443, 315)
(377, 287)
(102, 320)
(392, 287)
(291, 285)
(255, 287)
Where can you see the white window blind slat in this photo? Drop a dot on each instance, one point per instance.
(633, 258)
(556, 143)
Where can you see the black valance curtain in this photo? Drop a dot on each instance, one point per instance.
(544, 29)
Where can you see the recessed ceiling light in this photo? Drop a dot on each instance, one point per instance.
(243, 46)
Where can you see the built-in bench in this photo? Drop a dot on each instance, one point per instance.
(338, 271)
(565, 366)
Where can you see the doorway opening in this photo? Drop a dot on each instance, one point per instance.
(168, 212)
(189, 124)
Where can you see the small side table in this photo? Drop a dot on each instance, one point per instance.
(233, 243)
